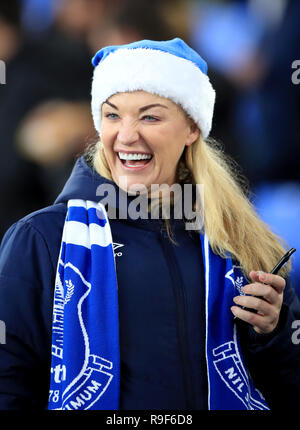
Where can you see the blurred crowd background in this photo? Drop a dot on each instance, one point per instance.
(250, 47)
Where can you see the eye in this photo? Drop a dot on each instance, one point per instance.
(111, 115)
(150, 118)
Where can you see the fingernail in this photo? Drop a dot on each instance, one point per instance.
(262, 276)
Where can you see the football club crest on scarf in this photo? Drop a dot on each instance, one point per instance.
(230, 386)
(85, 354)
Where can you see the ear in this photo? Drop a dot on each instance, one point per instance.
(193, 133)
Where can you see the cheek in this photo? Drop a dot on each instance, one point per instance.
(170, 139)
(170, 151)
(107, 142)
(108, 152)
(106, 132)
(161, 141)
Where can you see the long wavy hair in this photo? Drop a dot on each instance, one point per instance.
(230, 220)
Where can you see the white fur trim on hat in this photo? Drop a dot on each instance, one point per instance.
(156, 72)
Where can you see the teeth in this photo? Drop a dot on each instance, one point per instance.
(124, 156)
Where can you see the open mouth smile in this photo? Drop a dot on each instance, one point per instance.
(135, 160)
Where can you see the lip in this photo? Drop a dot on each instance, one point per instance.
(133, 152)
(134, 168)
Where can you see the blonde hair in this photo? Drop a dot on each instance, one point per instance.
(230, 221)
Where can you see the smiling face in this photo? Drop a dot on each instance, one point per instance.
(143, 137)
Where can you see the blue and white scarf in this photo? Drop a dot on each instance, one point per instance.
(85, 366)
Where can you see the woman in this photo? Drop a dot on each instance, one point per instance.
(143, 313)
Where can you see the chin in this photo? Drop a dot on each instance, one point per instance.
(131, 185)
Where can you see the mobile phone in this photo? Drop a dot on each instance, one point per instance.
(283, 260)
(275, 270)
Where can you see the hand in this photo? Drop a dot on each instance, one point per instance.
(266, 296)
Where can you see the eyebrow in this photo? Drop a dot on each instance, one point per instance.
(142, 109)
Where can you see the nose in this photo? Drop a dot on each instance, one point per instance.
(127, 133)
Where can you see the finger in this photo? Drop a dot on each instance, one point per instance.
(259, 305)
(262, 290)
(276, 281)
(259, 322)
(254, 275)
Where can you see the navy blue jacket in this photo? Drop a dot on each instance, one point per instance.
(161, 309)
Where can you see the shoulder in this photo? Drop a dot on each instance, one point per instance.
(36, 236)
(42, 221)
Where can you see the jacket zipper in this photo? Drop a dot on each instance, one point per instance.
(179, 295)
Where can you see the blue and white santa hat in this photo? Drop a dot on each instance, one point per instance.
(170, 69)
